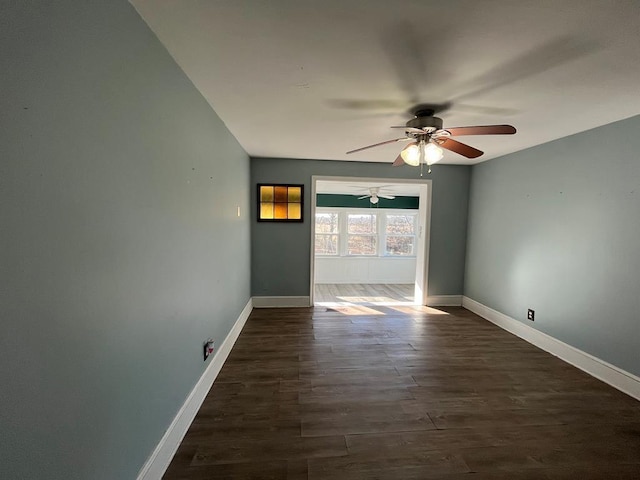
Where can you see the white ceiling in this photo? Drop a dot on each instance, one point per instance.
(281, 73)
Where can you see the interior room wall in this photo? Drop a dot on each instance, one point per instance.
(555, 229)
(366, 270)
(280, 252)
(121, 246)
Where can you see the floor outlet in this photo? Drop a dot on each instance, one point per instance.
(208, 348)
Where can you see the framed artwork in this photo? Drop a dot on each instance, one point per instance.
(280, 203)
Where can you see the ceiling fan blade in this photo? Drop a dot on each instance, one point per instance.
(482, 110)
(460, 148)
(398, 162)
(482, 130)
(364, 196)
(388, 197)
(408, 63)
(378, 144)
(540, 58)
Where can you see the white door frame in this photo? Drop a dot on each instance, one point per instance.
(424, 230)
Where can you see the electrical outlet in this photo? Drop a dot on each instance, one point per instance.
(208, 348)
(531, 315)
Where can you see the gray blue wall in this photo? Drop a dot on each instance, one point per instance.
(121, 251)
(556, 228)
(280, 252)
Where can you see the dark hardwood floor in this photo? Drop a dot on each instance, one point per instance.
(403, 393)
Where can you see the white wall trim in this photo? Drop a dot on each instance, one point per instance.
(616, 377)
(159, 460)
(444, 300)
(280, 302)
(424, 228)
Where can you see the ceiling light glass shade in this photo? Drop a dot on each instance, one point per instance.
(411, 154)
(432, 153)
(374, 199)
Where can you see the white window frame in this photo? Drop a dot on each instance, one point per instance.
(338, 233)
(375, 234)
(384, 234)
(381, 229)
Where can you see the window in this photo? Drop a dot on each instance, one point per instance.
(357, 232)
(362, 234)
(280, 203)
(400, 234)
(327, 234)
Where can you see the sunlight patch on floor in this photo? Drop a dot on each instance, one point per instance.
(385, 306)
(420, 309)
(386, 301)
(374, 301)
(350, 309)
(370, 299)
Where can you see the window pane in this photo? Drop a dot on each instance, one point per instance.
(295, 194)
(400, 224)
(326, 244)
(266, 194)
(294, 212)
(362, 245)
(397, 245)
(281, 194)
(326, 223)
(362, 223)
(266, 210)
(281, 211)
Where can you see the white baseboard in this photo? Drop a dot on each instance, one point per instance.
(444, 300)
(278, 302)
(159, 460)
(616, 377)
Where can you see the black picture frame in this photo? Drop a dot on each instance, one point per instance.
(280, 202)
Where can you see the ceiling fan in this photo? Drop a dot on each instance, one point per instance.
(374, 195)
(428, 138)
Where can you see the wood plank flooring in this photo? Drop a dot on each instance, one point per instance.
(403, 393)
(331, 294)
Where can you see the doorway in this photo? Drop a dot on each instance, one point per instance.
(380, 290)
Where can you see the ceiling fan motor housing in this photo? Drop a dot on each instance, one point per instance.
(425, 121)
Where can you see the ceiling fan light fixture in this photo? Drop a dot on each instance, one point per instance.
(428, 138)
(374, 199)
(432, 153)
(411, 154)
